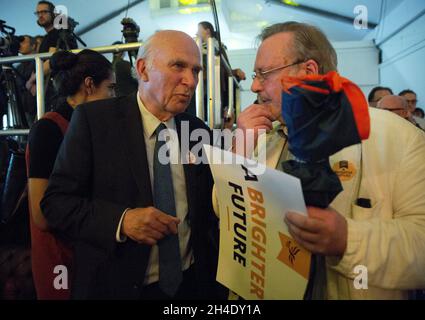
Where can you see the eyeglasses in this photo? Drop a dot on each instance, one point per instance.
(41, 12)
(262, 75)
(394, 110)
(412, 101)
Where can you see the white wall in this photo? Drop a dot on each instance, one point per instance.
(401, 37)
(357, 61)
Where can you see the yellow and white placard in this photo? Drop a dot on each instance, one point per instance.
(258, 258)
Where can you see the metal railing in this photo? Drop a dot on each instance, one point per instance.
(200, 90)
(214, 115)
(39, 58)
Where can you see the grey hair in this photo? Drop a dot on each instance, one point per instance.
(309, 43)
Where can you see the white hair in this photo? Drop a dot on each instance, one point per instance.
(145, 51)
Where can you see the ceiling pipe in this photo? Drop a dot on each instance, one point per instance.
(319, 12)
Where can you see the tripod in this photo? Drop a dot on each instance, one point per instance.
(15, 111)
(66, 37)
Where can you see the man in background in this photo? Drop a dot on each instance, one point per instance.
(395, 104)
(412, 101)
(53, 39)
(25, 70)
(45, 13)
(377, 94)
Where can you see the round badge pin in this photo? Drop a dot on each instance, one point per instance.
(345, 170)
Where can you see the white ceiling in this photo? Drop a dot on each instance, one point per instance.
(240, 20)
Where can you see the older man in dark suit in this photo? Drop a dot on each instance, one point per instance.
(142, 229)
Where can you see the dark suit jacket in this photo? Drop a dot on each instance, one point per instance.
(101, 170)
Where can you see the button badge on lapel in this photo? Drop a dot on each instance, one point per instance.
(345, 170)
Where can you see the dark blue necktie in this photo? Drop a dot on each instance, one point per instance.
(170, 267)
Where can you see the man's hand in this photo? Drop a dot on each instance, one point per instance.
(255, 117)
(31, 84)
(148, 225)
(324, 231)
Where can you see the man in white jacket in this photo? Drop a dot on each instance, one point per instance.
(376, 226)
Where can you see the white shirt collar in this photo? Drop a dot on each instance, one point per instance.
(150, 122)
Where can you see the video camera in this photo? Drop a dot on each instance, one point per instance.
(10, 100)
(9, 43)
(130, 33)
(130, 30)
(67, 37)
(72, 24)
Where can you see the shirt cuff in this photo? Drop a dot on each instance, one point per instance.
(345, 264)
(118, 236)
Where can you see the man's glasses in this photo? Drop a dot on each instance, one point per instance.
(412, 101)
(395, 109)
(262, 75)
(41, 12)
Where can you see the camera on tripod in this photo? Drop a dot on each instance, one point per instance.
(9, 43)
(72, 24)
(130, 33)
(10, 99)
(130, 30)
(67, 37)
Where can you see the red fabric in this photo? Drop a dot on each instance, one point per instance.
(47, 251)
(337, 83)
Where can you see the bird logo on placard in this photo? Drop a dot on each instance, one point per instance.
(292, 252)
(294, 256)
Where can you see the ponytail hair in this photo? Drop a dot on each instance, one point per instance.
(208, 26)
(69, 70)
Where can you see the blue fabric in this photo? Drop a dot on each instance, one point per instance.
(319, 125)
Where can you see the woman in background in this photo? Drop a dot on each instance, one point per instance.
(206, 31)
(78, 78)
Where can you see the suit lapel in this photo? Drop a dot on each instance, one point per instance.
(134, 143)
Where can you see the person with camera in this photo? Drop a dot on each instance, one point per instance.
(79, 78)
(53, 40)
(45, 13)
